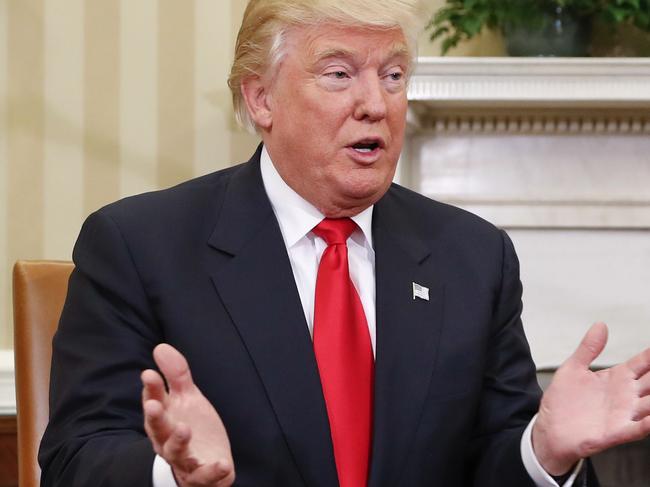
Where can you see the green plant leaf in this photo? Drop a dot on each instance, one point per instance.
(438, 32)
(471, 25)
(459, 20)
(619, 14)
(470, 4)
(642, 21)
(448, 43)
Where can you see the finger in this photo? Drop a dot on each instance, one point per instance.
(644, 384)
(156, 423)
(176, 449)
(640, 364)
(637, 430)
(153, 386)
(591, 345)
(174, 367)
(219, 471)
(642, 409)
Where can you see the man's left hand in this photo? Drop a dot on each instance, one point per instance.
(585, 412)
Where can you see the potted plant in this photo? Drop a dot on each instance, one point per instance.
(535, 27)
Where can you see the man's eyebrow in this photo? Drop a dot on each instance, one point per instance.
(333, 52)
(399, 50)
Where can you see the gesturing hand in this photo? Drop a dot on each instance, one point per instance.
(183, 426)
(585, 412)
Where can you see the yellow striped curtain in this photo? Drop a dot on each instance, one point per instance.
(101, 99)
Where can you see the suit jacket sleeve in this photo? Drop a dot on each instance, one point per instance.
(510, 392)
(105, 338)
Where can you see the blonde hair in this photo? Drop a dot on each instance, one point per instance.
(260, 42)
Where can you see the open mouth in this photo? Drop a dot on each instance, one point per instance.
(366, 146)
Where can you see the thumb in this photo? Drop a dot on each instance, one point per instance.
(173, 367)
(591, 346)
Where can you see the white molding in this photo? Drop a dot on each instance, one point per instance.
(592, 81)
(579, 122)
(7, 383)
(533, 103)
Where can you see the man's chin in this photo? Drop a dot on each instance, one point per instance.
(365, 195)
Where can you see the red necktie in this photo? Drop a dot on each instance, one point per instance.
(344, 355)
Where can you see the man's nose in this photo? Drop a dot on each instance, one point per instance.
(370, 99)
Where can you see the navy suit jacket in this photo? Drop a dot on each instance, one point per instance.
(203, 266)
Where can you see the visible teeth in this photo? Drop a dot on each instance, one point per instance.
(365, 149)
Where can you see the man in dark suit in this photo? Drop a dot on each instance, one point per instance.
(226, 271)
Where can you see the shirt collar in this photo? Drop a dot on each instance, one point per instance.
(296, 215)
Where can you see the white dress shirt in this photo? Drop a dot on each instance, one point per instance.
(296, 218)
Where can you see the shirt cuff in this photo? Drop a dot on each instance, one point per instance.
(533, 467)
(162, 474)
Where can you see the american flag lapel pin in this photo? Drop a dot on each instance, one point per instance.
(420, 291)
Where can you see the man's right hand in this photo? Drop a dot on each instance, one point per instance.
(183, 426)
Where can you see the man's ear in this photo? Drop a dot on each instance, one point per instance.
(257, 98)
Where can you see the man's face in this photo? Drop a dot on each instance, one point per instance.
(337, 115)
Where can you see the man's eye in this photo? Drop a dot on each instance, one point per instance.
(396, 76)
(338, 74)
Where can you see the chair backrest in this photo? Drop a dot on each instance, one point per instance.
(39, 289)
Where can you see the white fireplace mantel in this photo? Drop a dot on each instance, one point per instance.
(602, 104)
(583, 81)
(531, 95)
(558, 152)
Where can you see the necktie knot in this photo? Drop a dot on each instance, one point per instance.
(335, 230)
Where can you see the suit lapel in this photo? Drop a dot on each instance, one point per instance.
(256, 284)
(408, 332)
